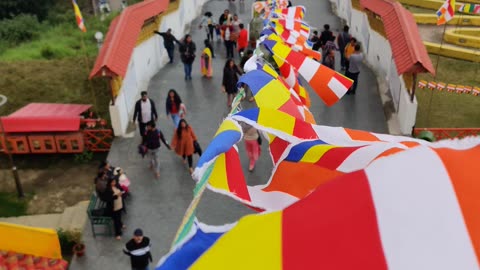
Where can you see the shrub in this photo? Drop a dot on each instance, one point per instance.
(68, 239)
(19, 29)
(47, 52)
(84, 157)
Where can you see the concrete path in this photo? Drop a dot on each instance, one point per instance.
(157, 206)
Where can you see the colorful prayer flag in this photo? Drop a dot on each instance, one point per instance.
(446, 12)
(358, 220)
(78, 17)
(470, 8)
(328, 84)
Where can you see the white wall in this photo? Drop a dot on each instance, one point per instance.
(379, 57)
(146, 60)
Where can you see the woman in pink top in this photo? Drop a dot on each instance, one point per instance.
(252, 145)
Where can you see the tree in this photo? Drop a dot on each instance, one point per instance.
(12, 8)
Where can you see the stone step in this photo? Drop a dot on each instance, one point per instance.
(49, 221)
(74, 217)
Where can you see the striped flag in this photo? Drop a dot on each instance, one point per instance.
(328, 84)
(446, 12)
(414, 210)
(78, 17)
(292, 25)
(291, 13)
(227, 176)
(470, 8)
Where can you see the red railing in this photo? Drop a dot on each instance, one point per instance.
(449, 133)
(97, 137)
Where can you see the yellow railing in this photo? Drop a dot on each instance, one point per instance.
(453, 52)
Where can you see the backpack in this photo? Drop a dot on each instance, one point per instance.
(152, 139)
(142, 150)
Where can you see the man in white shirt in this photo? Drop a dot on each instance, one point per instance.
(145, 112)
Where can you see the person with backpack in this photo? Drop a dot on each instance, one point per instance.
(343, 39)
(208, 22)
(152, 139)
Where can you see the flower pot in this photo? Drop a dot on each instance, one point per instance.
(79, 250)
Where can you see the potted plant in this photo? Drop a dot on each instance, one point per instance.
(79, 247)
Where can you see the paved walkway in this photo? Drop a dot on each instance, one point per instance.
(158, 206)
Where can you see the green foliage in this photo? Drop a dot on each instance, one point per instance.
(84, 157)
(12, 206)
(12, 8)
(67, 239)
(52, 81)
(59, 39)
(19, 29)
(449, 110)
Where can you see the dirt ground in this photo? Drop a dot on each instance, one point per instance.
(51, 182)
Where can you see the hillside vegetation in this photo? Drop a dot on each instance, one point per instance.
(44, 57)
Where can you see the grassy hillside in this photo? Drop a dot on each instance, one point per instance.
(62, 81)
(49, 61)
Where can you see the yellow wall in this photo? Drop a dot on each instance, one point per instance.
(453, 52)
(154, 24)
(428, 4)
(463, 37)
(461, 20)
(29, 240)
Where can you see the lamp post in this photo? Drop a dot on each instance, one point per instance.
(99, 38)
(18, 184)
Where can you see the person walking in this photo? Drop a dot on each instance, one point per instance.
(138, 248)
(208, 23)
(343, 39)
(152, 140)
(353, 71)
(349, 49)
(314, 38)
(325, 36)
(223, 21)
(168, 42)
(236, 23)
(145, 112)
(242, 41)
(187, 54)
(330, 45)
(329, 59)
(229, 40)
(184, 141)
(206, 66)
(252, 145)
(174, 107)
(230, 79)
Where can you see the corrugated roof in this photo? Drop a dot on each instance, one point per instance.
(122, 36)
(409, 52)
(44, 117)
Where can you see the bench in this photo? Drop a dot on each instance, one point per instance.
(95, 214)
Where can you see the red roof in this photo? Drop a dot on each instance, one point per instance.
(409, 52)
(44, 117)
(122, 37)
